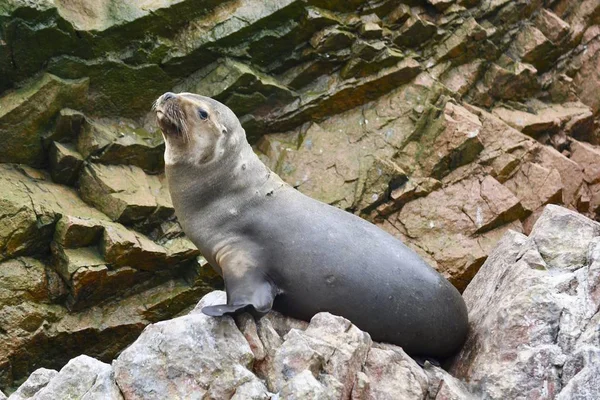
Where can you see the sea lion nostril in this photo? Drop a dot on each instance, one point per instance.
(168, 96)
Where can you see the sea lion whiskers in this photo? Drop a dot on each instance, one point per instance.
(177, 117)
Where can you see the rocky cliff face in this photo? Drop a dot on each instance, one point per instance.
(533, 307)
(446, 122)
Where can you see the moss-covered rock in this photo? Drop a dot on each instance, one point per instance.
(27, 112)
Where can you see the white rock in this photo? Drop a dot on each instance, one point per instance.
(331, 348)
(391, 374)
(190, 357)
(82, 378)
(531, 306)
(36, 381)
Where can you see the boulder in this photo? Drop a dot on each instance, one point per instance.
(180, 358)
(329, 358)
(38, 380)
(82, 378)
(530, 309)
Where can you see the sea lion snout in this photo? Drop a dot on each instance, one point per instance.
(168, 96)
(169, 115)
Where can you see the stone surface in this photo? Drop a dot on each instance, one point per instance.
(538, 295)
(82, 378)
(38, 380)
(163, 362)
(65, 164)
(329, 358)
(121, 142)
(121, 192)
(25, 113)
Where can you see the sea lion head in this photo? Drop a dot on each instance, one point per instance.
(197, 129)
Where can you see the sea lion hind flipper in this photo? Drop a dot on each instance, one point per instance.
(224, 309)
(245, 296)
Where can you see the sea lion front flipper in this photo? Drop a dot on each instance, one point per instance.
(249, 292)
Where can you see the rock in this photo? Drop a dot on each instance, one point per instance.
(24, 114)
(571, 173)
(82, 378)
(334, 95)
(414, 32)
(72, 232)
(112, 82)
(412, 189)
(331, 39)
(462, 214)
(536, 186)
(123, 142)
(462, 78)
(371, 30)
(391, 374)
(330, 347)
(122, 247)
(65, 164)
(38, 380)
(532, 47)
(253, 390)
(552, 26)
(358, 68)
(548, 120)
(513, 82)
(443, 386)
(31, 207)
(327, 359)
(122, 192)
(546, 278)
(67, 128)
(588, 158)
(239, 86)
(163, 362)
(587, 79)
(441, 5)
(459, 44)
(447, 143)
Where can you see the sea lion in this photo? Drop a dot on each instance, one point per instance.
(277, 248)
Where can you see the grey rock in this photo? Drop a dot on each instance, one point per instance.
(253, 390)
(585, 383)
(104, 388)
(391, 374)
(65, 163)
(306, 386)
(443, 386)
(187, 357)
(36, 382)
(530, 309)
(331, 348)
(563, 237)
(82, 378)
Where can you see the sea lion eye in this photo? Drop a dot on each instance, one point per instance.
(202, 114)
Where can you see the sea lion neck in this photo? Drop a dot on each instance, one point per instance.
(198, 186)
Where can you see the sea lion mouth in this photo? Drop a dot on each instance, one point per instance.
(170, 116)
(167, 125)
